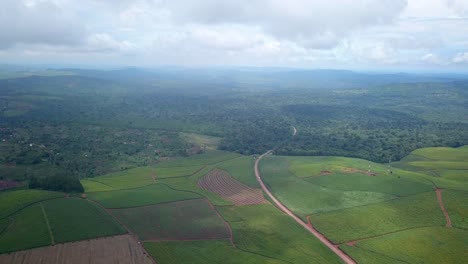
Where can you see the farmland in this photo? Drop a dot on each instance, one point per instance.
(184, 220)
(122, 249)
(219, 182)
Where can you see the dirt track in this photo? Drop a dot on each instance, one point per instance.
(322, 238)
(442, 207)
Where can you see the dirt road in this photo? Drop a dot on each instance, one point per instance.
(442, 207)
(323, 239)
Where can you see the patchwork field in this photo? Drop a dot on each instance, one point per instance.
(13, 201)
(221, 183)
(122, 249)
(147, 195)
(132, 178)
(183, 220)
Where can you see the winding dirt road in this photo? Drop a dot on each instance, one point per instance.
(322, 238)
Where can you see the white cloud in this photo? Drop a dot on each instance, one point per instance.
(461, 58)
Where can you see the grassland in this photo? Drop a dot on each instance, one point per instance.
(74, 219)
(386, 217)
(192, 219)
(168, 172)
(365, 256)
(13, 201)
(201, 252)
(207, 158)
(303, 197)
(422, 245)
(27, 229)
(147, 195)
(203, 141)
(456, 203)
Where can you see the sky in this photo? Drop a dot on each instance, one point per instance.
(345, 34)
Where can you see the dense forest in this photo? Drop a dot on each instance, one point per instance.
(88, 123)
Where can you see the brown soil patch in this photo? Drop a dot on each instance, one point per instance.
(8, 185)
(354, 170)
(442, 207)
(221, 183)
(110, 250)
(325, 172)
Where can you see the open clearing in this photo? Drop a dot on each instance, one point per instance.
(221, 183)
(147, 195)
(183, 220)
(123, 249)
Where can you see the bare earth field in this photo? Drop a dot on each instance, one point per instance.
(221, 183)
(123, 249)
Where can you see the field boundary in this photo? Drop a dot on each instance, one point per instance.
(383, 255)
(228, 226)
(52, 239)
(31, 204)
(126, 228)
(340, 253)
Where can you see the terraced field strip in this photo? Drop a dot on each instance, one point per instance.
(322, 238)
(221, 183)
(442, 207)
(122, 249)
(52, 240)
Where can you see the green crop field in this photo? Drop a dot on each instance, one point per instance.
(191, 219)
(132, 178)
(389, 184)
(441, 153)
(147, 195)
(12, 201)
(26, 229)
(421, 245)
(303, 197)
(456, 203)
(168, 172)
(74, 219)
(371, 220)
(264, 230)
(241, 169)
(365, 256)
(201, 252)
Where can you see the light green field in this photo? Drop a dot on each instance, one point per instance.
(74, 219)
(365, 256)
(168, 172)
(386, 183)
(264, 230)
(26, 229)
(241, 169)
(456, 175)
(441, 153)
(132, 178)
(456, 203)
(147, 195)
(372, 220)
(201, 252)
(13, 201)
(303, 197)
(191, 219)
(422, 245)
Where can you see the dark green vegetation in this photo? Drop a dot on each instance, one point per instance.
(62, 183)
(88, 123)
(13, 201)
(407, 227)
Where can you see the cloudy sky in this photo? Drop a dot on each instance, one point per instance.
(353, 34)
